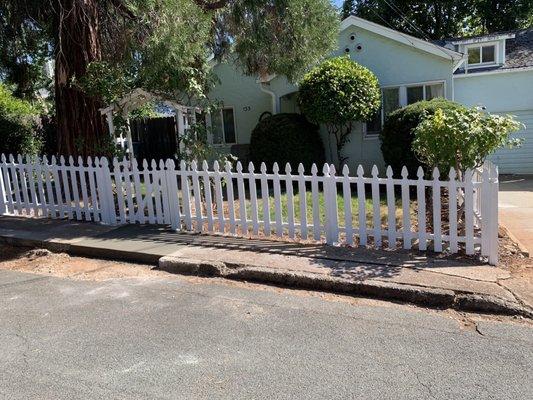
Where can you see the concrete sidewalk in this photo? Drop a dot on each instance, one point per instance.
(516, 209)
(450, 282)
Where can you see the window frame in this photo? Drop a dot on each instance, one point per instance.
(224, 143)
(480, 46)
(402, 101)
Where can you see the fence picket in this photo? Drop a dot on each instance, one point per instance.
(57, 188)
(376, 206)
(231, 198)
(437, 227)
(92, 190)
(8, 192)
(265, 196)
(290, 200)
(3, 199)
(140, 200)
(157, 191)
(16, 186)
(361, 198)
(469, 212)
(421, 212)
(173, 196)
(66, 187)
(197, 196)
(41, 189)
(120, 190)
(31, 184)
(208, 196)
(277, 200)
(347, 199)
(75, 187)
(149, 193)
(452, 211)
(242, 200)
(406, 217)
(24, 184)
(185, 190)
(49, 193)
(315, 202)
(391, 210)
(303, 202)
(219, 198)
(253, 199)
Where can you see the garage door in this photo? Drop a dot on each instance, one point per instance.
(518, 160)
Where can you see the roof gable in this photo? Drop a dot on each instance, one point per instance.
(402, 38)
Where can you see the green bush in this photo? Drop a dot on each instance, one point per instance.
(462, 139)
(286, 138)
(336, 93)
(19, 130)
(397, 133)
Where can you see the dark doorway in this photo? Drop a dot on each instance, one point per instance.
(154, 138)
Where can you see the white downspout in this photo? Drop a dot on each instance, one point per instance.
(273, 97)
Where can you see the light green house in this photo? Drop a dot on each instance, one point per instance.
(408, 70)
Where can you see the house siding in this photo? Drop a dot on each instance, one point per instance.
(242, 93)
(394, 64)
(504, 93)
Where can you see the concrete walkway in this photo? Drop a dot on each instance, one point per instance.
(516, 208)
(399, 275)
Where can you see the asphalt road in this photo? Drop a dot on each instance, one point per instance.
(177, 338)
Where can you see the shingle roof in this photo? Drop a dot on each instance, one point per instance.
(519, 51)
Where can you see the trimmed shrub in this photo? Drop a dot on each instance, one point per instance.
(19, 130)
(397, 133)
(337, 92)
(286, 138)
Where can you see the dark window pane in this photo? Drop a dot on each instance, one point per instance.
(216, 123)
(414, 94)
(434, 91)
(473, 55)
(391, 100)
(373, 127)
(487, 54)
(229, 125)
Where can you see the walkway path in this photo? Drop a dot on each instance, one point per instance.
(516, 208)
(399, 275)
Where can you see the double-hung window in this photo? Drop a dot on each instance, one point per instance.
(481, 55)
(223, 125)
(400, 96)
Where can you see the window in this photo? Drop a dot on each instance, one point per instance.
(482, 54)
(396, 97)
(224, 126)
(424, 92)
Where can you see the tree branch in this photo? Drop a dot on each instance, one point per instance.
(123, 9)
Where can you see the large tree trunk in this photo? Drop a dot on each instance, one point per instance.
(80, 127)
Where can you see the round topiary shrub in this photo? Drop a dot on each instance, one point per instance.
(286, 138)
(336, 93)
(397, 133)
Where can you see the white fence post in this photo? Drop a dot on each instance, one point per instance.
(2, 194)
(493, 214)
(105, 192)
(330, 202)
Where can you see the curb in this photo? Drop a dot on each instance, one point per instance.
(523, 250)
(418, 295)
(422, 296)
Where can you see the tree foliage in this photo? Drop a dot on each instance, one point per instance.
(336, 93)
(440, 19)
(397, 134)
(462, 139)
(18, 125)
(105, 48)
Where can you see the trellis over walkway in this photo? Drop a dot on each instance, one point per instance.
(185, 116)
(336, 208)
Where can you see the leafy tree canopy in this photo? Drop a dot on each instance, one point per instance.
(440, 19)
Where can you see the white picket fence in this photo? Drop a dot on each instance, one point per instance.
(336, 208)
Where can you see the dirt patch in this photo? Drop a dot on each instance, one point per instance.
(511, 258)
(44, 262)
